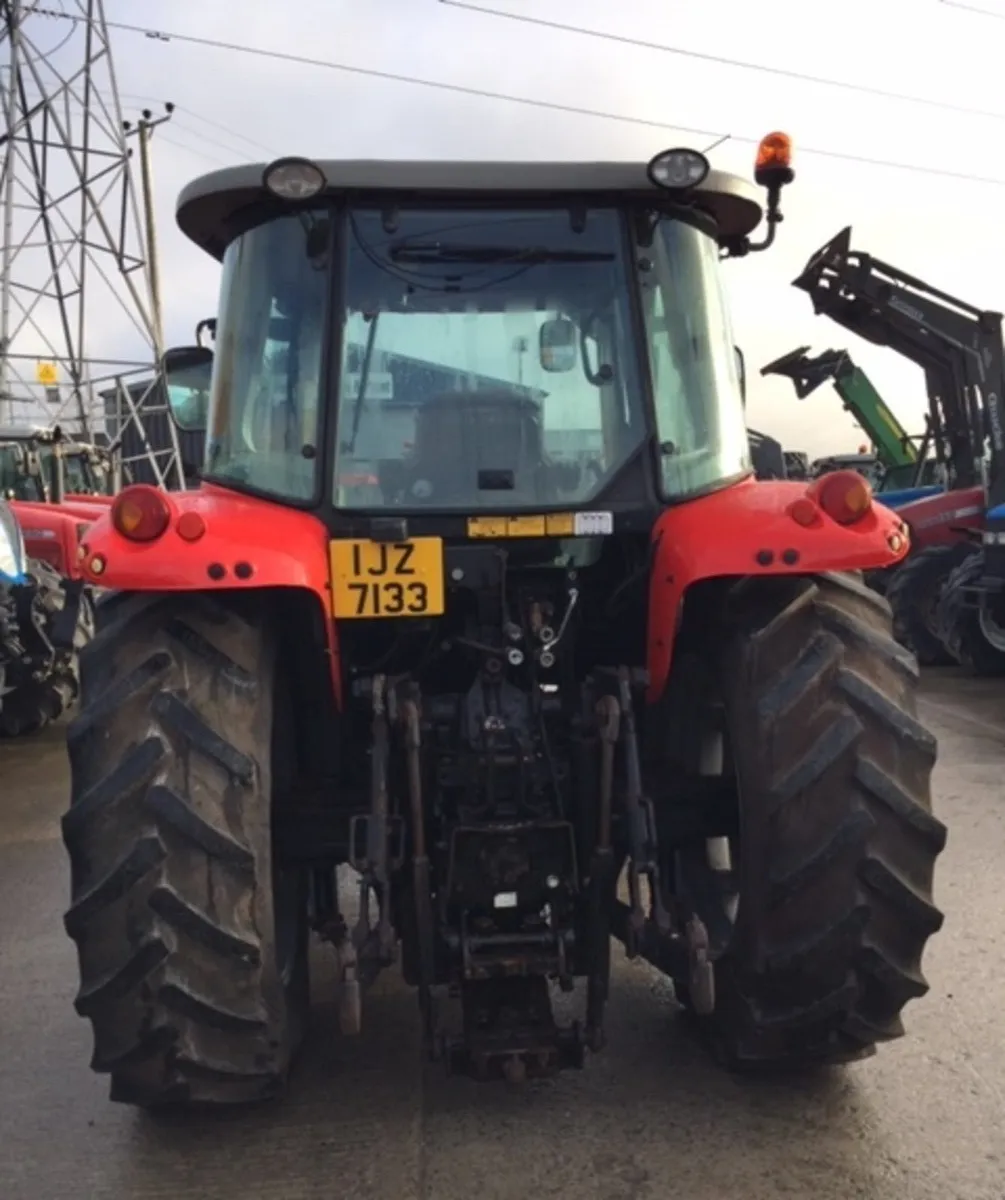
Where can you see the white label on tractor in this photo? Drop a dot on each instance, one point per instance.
(593, 524)
(379, 386)
(505, 900)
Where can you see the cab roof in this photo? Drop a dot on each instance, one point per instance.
(214, 208)
(25, 433)
(46, 434)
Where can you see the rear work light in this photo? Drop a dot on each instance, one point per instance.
(140, 513)
(845, 496)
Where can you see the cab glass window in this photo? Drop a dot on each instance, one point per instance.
(696, 382)
(266, 391)
(487, 361)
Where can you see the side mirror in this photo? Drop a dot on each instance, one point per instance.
(32, 463)
(187, 372)
(558, 345)
(741, 372)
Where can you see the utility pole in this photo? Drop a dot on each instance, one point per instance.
(144, 130)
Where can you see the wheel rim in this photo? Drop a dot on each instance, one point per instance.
(707, 871)
(992, 631)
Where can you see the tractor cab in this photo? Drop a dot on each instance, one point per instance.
(42, 464)
(437, 344)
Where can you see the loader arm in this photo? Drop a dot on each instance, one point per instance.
(958, 346)
(893, 443)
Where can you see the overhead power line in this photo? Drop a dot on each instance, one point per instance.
(866, 89)
(529, 102)
(198, 116)
(720, 60)
(972, 8)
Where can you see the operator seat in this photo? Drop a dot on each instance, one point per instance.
(473, 446)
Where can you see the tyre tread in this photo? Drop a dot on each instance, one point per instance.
(169, 842)
(841, 766)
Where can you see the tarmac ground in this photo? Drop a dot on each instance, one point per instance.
(650, 1118)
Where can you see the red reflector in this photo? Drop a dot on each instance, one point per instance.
(803, 511)
(845, 496)
(140, 513)
(190, 527)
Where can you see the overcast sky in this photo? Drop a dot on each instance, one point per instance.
(235, 106)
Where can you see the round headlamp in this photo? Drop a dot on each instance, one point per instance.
(294, 179)
(678, 170)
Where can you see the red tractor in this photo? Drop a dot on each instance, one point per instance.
(395, 641)
(55, 486)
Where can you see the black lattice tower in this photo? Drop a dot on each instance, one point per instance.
(79, 318)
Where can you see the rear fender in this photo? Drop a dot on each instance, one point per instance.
(248, 544)
(747, 530)
(89, 507)
(51, 534)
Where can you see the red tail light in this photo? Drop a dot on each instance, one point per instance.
(845, 496)
(141, 513)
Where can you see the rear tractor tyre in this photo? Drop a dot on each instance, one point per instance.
(960, 621)
(914, 591)
(52, 689)
(192, 944)
(879, 579)
(834, 859)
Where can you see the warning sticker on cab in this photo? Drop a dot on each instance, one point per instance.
(591, 524)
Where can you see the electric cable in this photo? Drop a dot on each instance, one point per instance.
(972, 8)
(549, 105)
(722, 60)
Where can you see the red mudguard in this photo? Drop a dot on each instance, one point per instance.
(248, 543)
(748, 530)
(52, 533)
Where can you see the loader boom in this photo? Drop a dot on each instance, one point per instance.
(958, 346)
(894, 446)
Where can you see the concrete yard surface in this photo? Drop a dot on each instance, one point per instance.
(650, 1118)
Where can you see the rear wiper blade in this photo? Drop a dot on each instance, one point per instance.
(440, 252)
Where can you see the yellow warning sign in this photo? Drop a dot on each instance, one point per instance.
(552, 525)
(47, 374)
(488, 527)
(526, 527)
(561, 524)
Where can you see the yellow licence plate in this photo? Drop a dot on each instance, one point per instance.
(387, 579)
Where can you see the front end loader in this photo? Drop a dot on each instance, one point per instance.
(959, 349)
(907, 471)
(404, 675)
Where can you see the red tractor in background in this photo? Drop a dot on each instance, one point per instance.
(959, 348)
(391, 640)
(55, 487)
